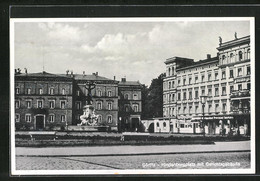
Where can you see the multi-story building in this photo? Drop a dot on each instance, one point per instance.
(130, 105)
(223, 80)
(46, 101)
(43, 101)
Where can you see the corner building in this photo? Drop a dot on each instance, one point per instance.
(224, 80)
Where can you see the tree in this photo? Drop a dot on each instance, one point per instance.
(153, 98)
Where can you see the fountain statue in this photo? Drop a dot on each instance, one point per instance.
(89, 118)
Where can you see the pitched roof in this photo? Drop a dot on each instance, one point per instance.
(42, 74)
(137, 83)
(89, 77)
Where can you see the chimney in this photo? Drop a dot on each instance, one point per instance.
(123, 79)
(67, 72)
(93, 74)
(114, 77)
(25, 70)
(83, 73)
(96, 73)
(208, 56)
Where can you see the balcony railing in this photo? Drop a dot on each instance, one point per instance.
(240, 93)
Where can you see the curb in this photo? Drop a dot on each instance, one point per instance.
(135, 154)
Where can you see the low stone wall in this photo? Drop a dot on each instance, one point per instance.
(89, 128)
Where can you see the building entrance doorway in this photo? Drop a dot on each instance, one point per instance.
(39, 122)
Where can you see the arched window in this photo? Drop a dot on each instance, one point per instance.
(172, 70)
(169, 71)
(240, 55)
(232, 57)
(126, 96)
(164, 124)
(248, 53)
(224, 61)
(109, 119)
(157, 124)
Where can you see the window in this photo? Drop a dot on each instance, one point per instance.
(99, 93)
(170, 96)
(62, 104)
(209, 77)
(224, 59)
(240, 55)
(17, 90)
(157, 124)
(172, 70)
(28, 118)
(78, 105)
(164, 124)
(184, 81)
(78, 93)
(224, 91)
(196, 109)
(216, 91)
(173, 97)
(17, 117)
(173, 111)
(99, 105)
(203, 92)
(196, 79)
(51, 118)
(223, 74)
(52, 104)
(63, 118)
(248, 54)
(184, 95)
(216, 75)
(170, 85)
(209, 92)
(109, 93)
(231, 74)
(109, 106)
(29, 91)
(39, 103)
(40, 91)
(190, 107)
(29, 104)
(202, 78)
(169, 71)
(179, 110)
(216, 108)
(179, 96)
(100, 118)
(239, 86)
(63, 91)
(190, 80)
(209, 108)
(190, 95)
(239, 72)
(136, 108)
(224, 107)
(182, 125)
(126, 96)
(196, 94)
(109, 119)
(17, 104)
(179, 82)
(184, 110)
(232, 57)
(248, 86)
(247, 70)
(51, 91)
(231, 88)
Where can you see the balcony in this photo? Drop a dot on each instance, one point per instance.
(240, 94)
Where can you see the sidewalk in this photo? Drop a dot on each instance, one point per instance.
(134, 150)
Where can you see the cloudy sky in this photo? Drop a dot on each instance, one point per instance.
(135, 50)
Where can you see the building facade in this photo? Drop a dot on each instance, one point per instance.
(45, 101)
(130, 105)
(223, 80)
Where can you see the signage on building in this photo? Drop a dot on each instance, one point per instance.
(213, 118)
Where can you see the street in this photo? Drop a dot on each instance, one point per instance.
(228, 155)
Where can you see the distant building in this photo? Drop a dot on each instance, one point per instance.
(45, 101)
(130, 105)
(224, 80)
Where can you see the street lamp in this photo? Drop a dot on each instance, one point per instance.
(203, 100)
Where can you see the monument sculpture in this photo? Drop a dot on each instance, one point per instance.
(89, 118)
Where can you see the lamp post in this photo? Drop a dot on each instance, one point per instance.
(203, 100)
